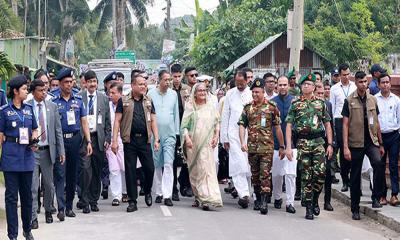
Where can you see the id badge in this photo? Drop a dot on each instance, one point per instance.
(91, 120)
(23, 136)
(315, 120)
(148, 117)
(99, 119)
(71, 118)
(263, 121)
(371, 120)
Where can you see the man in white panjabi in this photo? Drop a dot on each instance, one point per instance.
(239, 168)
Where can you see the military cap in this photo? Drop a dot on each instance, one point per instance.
(65, 72)
(309, 77)
(17, 81)
(258, 82)
(291, 73)
(110, 77)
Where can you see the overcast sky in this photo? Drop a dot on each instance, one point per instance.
(178, 8)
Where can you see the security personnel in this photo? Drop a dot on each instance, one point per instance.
(112, 76)
(73, 115)
(260, 117)
(294, 89)
(18, 127)
(56, 92)
(3, 99)
(310, 119)
(135, 119)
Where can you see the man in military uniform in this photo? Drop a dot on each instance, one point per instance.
(293, 86)
(309, 117)
(260, 117)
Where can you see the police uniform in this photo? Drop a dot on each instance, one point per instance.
(3, 99)
(71, 111)
(17, 160)
(260, 120)
(307, 117)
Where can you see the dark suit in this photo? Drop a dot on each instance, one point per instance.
(91, 167)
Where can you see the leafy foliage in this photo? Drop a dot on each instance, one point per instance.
(6, 67)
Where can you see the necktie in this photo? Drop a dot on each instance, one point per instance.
(42, 123)
(91, 110)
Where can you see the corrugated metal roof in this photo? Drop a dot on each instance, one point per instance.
(254, 51)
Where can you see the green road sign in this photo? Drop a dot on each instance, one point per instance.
(125, 55)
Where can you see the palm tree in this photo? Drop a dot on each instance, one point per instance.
(118, 13)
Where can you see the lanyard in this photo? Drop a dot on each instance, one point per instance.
(23, 116)
(348, 89)
(91, 106)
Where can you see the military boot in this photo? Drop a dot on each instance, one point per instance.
(309, 211)
(316, 208)
(257, 201)
(264, 204)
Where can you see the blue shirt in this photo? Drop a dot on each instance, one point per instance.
(15, 156)
(57, 91)
(74, 104)
(373, 87)
(283, 104)
(3, 99)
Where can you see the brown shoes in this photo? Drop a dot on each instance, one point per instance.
(394, 201)
(383, 201)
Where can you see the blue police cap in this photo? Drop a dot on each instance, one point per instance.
(110, 77)
(65, 72)
(335, 71)
(17, 81)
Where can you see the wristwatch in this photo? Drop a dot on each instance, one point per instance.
(282, 146)
(89, 141)
(158, 141)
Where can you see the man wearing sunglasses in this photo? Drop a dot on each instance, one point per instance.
(191, 76)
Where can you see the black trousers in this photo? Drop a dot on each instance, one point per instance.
(345, 165)
(138, 148)
(223, 167)
(357, 157)
(90, 174)
(328, 181)
(18, 182)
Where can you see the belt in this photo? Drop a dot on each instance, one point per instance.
(43, 147)
(139, 135)
(12, 139)
(70, 135)
(310, 136)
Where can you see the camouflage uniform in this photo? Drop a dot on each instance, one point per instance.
(307, 118)
(260, 141)
(295, 91)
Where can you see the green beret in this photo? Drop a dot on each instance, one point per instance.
(258, 82)
(291, 73)
(309, 77)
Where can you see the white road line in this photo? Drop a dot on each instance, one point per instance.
(165, 210)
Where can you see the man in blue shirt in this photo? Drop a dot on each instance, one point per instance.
(376, 71)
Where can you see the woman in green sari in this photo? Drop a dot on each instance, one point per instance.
(200, 130)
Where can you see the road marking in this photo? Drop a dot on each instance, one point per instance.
(165, 210)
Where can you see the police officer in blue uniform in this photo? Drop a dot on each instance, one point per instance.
(3, 99)
(73, 114)
(56, 92)
(18, 127)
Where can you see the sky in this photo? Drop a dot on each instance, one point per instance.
(178, 8)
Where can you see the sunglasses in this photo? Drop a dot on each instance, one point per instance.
(194, 75)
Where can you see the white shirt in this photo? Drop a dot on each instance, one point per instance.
(339, 93)
(389, 112)
(44, 110)
(93, 118)
(274, 94)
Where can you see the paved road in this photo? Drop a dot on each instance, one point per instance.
(184, 222)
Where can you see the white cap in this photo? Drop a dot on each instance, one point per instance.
(202, 78)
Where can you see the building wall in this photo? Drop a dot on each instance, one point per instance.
(14, 48)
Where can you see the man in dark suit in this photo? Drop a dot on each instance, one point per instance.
(98, 110)
(50, 148)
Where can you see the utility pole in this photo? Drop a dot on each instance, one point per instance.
(297, 35)
(38, 51)
(114, 24)
(168, 20)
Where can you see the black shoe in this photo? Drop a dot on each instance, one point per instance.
(61, 216)
(124, 197)
(148, 199)
(345, 187)
(356, 216)
(234, 193)
(175, 196)
(53, 209)
(278, 203)
(297, 197)
(290, 209)
(244, 202)
(28, 235)
(86, 209)
(316, 209)
(257, 205)
(189, 192)
(69, 213)
(376, 204)
(328, 207)
(168, 202)
(49, 217)
(35, 224)
(104, 193)
(79, 205)
(335, 180)
(309, 211)
(115, 202)
(229, 189)
(264, 204)
(141, 192)
(94, 208)
(183, 191)
(132, 207)
(158, 199)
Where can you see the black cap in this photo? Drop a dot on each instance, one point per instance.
(335, 71)
(110, 77)
(65, 72)
(17, 81)
(258, 82)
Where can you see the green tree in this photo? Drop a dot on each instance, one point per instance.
(145, 42)
(6, 67)
(8, 20)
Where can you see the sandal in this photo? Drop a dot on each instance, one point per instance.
(196, 203)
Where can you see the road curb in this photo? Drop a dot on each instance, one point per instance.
(387, 221)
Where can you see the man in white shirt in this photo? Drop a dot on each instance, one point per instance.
(239, 168)
(270, 82)
(339, 92)
(389, 120)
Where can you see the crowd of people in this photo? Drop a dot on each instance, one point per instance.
(276, 133)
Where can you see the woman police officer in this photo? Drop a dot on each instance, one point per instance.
(18, 127)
